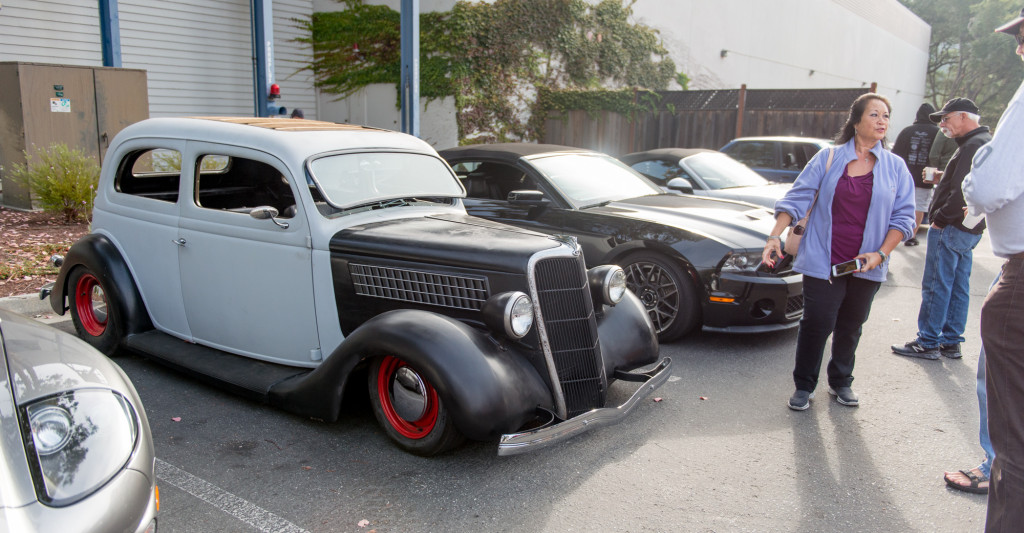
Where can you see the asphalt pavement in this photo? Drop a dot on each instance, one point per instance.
(719, 452)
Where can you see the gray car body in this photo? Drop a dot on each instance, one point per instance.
(39, 362)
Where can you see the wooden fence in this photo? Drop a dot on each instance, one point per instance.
(707, 119)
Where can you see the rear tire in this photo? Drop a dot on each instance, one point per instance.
(409, 409)
(666, 291)
(92, 312)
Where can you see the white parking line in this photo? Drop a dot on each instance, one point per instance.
(239, 508)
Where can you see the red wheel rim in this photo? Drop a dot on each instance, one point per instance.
(91, 305)
(410, 429)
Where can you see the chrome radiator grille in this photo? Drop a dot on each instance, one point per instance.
(571, 327)
(446, 290)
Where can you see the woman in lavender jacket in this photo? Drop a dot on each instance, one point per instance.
(865, 208)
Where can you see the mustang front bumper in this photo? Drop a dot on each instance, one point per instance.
(557, 430)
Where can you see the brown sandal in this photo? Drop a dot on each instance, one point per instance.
(974, 487)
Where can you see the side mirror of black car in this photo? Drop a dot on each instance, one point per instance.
(527, 198)
(682, 185)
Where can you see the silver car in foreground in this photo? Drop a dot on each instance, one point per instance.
(75, 445)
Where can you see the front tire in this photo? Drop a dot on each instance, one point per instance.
(666, 291)
(409, 409)
(92, 312)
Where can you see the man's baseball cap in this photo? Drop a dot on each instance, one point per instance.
(952, 106)
(1011, 27)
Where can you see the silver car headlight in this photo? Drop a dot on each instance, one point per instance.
(607, 284)
(742, 262)
(510, 313)
(78, 441)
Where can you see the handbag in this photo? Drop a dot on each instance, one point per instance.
(795, 233)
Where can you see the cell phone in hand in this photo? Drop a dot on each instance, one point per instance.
(848, 267)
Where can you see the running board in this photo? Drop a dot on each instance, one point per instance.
(248, 377)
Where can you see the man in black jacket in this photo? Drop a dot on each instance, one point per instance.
(913, 145)
(945, 287)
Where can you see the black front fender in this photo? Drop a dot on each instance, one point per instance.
(95, 252)
(628, 338)
(489, 389)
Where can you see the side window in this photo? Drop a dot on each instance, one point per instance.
(153, 173)
(794, 155)
(492, 181)
(656, 170)
(755, 154)
(807, 151)
(238, 184)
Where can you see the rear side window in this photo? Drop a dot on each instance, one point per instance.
(754, 154)
(153, 173)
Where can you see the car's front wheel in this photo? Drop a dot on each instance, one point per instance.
(409, 408)
(94, 316)
(666, 291)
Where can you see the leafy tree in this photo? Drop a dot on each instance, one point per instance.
(965, 57)
(492, 58)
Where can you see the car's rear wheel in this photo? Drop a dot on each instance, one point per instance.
(92, 312)
(409, 408)
(666, 291)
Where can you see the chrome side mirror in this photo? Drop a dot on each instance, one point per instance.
(264, 212)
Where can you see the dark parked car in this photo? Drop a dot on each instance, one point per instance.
(693, 261)
(76, 451)
(705, 173)
(294, 260)
(776, 158)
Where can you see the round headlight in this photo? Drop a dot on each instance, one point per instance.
(510, 313)
(51, 429)
(607, 284)
(519, 316)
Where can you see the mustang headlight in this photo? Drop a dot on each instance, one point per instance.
(78, 441)
(741, 262)
(607, 284)
(510, 313)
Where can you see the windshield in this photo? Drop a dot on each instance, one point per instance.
(720, 171)
(593, 179)
(350, 180)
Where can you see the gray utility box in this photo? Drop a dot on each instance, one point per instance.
(82, 107)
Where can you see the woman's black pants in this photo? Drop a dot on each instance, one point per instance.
(837, 307)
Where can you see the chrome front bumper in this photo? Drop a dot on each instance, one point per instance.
(557, 430)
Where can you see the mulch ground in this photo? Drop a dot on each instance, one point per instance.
(27, 240)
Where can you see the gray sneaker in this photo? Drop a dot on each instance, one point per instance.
(800, 400)
(914, 349)
(951, 351)
(845, 396)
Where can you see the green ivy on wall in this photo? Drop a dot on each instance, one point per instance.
(493, 58)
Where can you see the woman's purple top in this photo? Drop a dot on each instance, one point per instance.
(849, 214)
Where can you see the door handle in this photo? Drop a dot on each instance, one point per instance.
(179, 242)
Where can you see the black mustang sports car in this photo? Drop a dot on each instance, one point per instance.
(691, 260)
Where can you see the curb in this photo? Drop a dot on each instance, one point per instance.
(27, 304)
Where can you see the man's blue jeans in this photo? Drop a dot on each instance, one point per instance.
(986, 442)
(945, 287)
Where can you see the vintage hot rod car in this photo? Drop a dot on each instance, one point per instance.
(283, 258)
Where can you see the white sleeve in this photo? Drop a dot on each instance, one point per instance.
(997, 170)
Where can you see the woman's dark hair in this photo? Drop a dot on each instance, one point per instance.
(856, 111)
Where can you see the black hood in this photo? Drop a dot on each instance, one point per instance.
(923, 112)
(454, 240)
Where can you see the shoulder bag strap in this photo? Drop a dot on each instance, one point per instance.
(828, 165)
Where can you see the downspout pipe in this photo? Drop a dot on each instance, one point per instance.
(410, 81)
(263, 52)
(110, 33)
